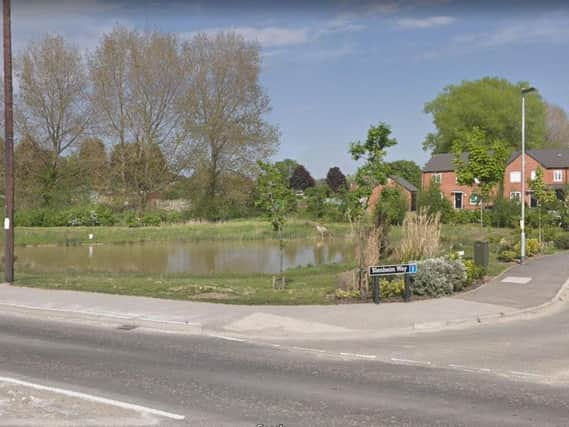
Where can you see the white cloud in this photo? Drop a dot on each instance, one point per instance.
(267, 37)
(424, 23)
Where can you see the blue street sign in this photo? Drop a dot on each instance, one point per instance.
(390, 270)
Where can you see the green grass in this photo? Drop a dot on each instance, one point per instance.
(307, 285)
(193, 231)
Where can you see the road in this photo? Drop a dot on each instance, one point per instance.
(439, 379)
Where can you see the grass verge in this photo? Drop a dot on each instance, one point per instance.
(192, 231)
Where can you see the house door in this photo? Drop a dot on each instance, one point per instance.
(458, 200)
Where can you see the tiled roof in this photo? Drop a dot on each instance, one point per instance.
(442, 162)
(404, 183)
(549, 158)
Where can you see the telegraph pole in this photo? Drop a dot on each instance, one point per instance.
(8, 148)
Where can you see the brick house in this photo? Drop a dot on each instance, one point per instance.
(555, 165)
(394, 181)
(440, 169)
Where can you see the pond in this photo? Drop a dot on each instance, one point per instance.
(200, 258)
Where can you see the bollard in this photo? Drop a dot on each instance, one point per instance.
(376, 296)
(407, 288)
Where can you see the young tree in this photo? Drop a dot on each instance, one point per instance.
(432, 201)
(373, 172)
(486, 162)
(542, 194)
(407, 169)
(54, 111)
(491, 104)
(225, 109)
(336, 180)
(301, 179)
(275, 200)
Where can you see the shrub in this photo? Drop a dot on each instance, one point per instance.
(504, 213)
(151, 219)
(474, 273)
(507, 255)
(532, 247)
(562, 241)
(437, 277)
(466, 216)
(392, 205)
(421, 235)
(392, 288)
(432, 200)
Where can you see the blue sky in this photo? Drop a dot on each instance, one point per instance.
(334, 68)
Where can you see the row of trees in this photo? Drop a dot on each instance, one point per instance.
(168, 109)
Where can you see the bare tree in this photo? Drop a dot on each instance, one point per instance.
(225, 107)
(53, 99)
(556, 126)
(139, 80)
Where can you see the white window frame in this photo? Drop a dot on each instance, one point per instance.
(516, 195)
(558, 175)
(533, 175)
(438, 178)
(454, 193)
(516, 174)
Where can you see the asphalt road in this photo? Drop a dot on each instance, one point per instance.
(216, 382)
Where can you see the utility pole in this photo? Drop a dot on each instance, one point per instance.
(8, 148)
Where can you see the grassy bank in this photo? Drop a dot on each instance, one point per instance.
(309, 285)
(193, 231)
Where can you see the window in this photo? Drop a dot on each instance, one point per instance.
(557, 175)
(437, 177)
(515, 195)
(515, 176)
(533, 175)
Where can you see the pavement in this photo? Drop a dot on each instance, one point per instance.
(522, 290)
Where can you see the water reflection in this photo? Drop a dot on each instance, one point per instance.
(182, 257)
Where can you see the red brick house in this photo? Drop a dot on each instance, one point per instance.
(440, 169)
(555, 165)
(408, 190)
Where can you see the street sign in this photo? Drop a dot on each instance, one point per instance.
(390, 270)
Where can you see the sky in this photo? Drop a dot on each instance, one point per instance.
(333, 68)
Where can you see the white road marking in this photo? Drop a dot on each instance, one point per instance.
(364, 356)
(516, 279)
(525, 374)
(464, 368)
(97, 399)
(308, 349)
(414, 362)
(224, 337)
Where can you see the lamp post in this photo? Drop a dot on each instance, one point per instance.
(525, 91)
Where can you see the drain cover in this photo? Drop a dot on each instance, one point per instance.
(127, 327)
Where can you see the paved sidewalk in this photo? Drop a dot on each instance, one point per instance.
(544, 276)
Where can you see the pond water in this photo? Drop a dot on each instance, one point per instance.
(198, 258)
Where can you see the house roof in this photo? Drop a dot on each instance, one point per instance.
(549, 158)
(442, 162)
(404, 183)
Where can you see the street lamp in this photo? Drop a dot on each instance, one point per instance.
(523, 198)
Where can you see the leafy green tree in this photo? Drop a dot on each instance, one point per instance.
(542, 194)
(491, 104)
(286, 167)
(407, 169)
(336, 180)
(275, 200)
(392, 206)
(433, 201)
(316, 201)
(487, 157)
